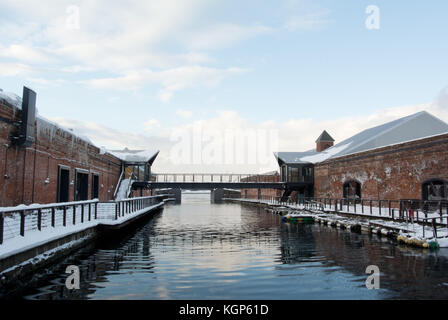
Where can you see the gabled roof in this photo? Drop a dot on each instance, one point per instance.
(414, 127)
(293, 157)
(132, 156)
(324, 136)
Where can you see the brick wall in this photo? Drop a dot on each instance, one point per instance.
(24, 171)
(253, 193)
(394, 172)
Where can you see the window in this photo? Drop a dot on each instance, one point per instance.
(307, 173)
(81, 185)
(293, 175)
(95, 183)
(352, 189)
(283, 169)
(135, 172)
(63, 184)
(435, 189)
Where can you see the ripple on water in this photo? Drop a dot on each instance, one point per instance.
(202, 251)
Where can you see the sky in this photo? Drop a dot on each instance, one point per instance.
(218, 86)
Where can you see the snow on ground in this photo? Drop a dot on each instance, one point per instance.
(35, 238)
(406, 228)
(124, 189)
(46, 255)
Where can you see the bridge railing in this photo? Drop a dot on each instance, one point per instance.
(17, 221)
(131, 205)
(214, 177)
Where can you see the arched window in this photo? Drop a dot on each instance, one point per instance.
(352, 189)
(435, 189)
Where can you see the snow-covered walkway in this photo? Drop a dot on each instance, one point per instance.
(407, 228)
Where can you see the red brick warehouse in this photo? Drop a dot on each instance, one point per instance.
(52, 164)
(403, 159)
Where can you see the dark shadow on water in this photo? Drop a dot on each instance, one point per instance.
(203, 251)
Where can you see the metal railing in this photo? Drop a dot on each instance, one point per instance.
(432, 213)
(215, 177)
(131, 205)
(402, 210)
(16, 221)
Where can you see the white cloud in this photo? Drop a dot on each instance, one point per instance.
(224, 35)
(151, 124)
(293, 134)
(184, 113)
(76, 69)
(14, 69)
(170, 80)
(42, 83)
(307, 21)
(25, 53)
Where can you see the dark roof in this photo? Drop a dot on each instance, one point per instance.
(293, 157)
(325, 137)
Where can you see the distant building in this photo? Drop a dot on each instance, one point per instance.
(272, 176)
(403, 159)
(46, 163)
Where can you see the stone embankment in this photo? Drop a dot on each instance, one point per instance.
(404, 233)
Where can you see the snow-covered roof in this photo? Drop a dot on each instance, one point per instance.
(10, 99)
(414, 127)
(42, 123)
(293, 157)
(127, 155)
(49, 127)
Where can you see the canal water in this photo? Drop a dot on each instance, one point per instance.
(199, 250)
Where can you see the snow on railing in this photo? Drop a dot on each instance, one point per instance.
(18, 221)
(15, 221)
(131, 205)
(420, 211)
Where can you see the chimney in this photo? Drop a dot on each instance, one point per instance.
(324, 141)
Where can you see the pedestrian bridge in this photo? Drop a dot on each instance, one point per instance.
(216, 182)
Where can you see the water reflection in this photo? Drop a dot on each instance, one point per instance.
(228, 251)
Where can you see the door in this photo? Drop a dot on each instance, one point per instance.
(81, 186)
(63, 184)
(95, 183)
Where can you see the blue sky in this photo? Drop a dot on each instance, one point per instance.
(144, 68)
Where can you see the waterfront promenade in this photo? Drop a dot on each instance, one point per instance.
(422, 228)
(35, 235)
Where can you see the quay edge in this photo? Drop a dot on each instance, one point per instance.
(22, 265)
(355, 226)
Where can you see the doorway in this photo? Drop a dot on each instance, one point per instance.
(63, 184)
(81, 185)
